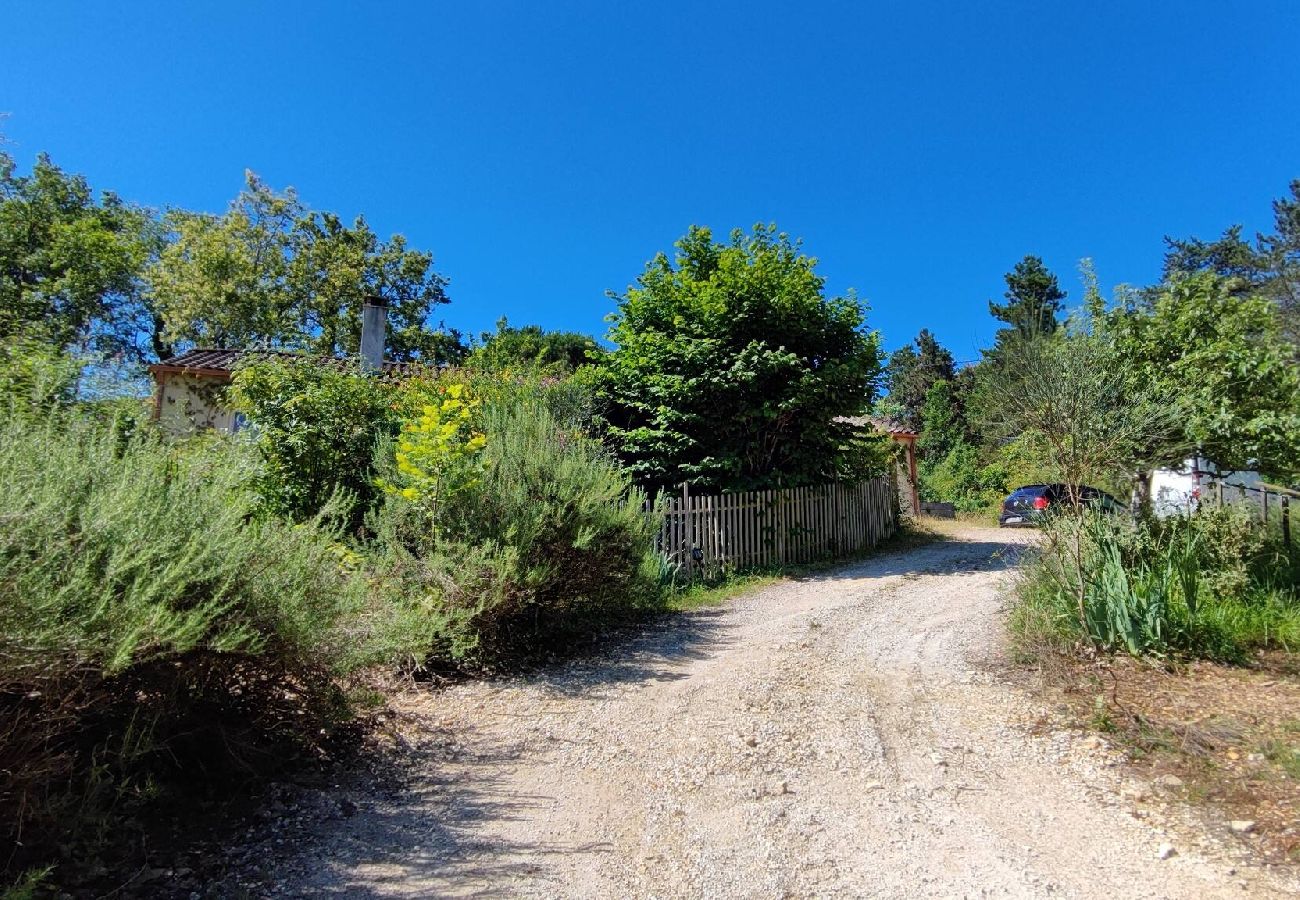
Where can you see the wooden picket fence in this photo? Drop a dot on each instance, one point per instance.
(753, 529)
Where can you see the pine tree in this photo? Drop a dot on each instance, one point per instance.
(1033, 302)
(912, 370)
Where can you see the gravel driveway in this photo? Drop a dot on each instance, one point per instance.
(844, 735)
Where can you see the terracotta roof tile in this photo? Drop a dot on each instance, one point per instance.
(224, 360)
(880, 423)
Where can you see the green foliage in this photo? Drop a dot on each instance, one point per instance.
(28, 885)
(35, 377)
(1024, 460)
(943, 420)
(130, 552)
(732, 367)
(316, 427)
(1213, 585)
(530, 348)
(910, 374)
(1073, 395)
(434, 456)
(270, 272)
(960, 478)
(978, 479)
(150, 620)
(1270, 267)
(1220, 356)
(544, 535)
(1033, 303)
(70, 262)
(1230, 256)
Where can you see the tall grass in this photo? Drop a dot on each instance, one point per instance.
(1211, 585)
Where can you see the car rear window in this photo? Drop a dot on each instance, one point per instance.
(1032, 490)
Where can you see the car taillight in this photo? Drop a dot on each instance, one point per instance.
(1040, 503)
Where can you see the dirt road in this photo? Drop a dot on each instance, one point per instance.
(847, 735)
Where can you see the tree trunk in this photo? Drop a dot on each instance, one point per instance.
(1142, 494)
(161, 348)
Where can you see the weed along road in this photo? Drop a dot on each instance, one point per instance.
(848, 734)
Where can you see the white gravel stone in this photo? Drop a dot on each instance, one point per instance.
(883, 755)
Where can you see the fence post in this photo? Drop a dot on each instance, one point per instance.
(1286, 522)
(689, 530)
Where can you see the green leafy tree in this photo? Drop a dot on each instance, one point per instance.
(530, 347)
(911, 372)
(1074, 395)
(732, 367)
(1220, 354)
(316, 433)
(1033, 302)
(1269, 267)
(943, 420)
(952, 466)
(70, 262)
(270, 272)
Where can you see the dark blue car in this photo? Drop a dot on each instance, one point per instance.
(1027, 505)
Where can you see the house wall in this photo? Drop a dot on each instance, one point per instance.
(188, 403)
(1174, 489)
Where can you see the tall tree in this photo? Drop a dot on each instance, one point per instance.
(1229, 256)
(1269, 267)
(533, 347)
(732, 367)
(1033, 302)
(70, 261)
(910, 373)
(271, 272)
(1219, 355)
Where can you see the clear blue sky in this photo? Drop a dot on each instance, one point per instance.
(545, 151)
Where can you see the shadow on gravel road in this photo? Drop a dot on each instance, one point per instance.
(650, 653)
(427, 837)
(941, 557)
(660, 651)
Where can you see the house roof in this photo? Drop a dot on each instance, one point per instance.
(220, 363)
(880, 423)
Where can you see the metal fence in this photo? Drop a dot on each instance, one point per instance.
(753, 529)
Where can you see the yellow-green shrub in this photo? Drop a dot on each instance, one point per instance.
(436, 450)
(544, 534)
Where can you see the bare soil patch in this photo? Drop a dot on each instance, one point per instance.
(1225, 739)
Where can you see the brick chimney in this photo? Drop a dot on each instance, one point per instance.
(374, 324)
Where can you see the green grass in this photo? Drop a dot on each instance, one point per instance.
(702, 595)
(1211, 587)
(720, 589)
(1283, 754)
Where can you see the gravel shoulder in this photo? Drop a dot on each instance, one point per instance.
(847, 734)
